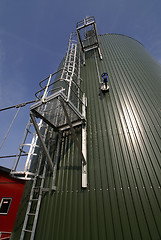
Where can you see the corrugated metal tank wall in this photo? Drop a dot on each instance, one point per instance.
(124, 139)
(123, 197)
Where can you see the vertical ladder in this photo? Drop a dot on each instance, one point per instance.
(71, 66)
(23, 150)
(34, 201)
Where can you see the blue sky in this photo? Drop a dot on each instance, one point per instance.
(33, 40)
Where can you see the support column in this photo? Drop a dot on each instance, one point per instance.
(73, 132)
(84, 145)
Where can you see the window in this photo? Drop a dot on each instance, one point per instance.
(5, 205)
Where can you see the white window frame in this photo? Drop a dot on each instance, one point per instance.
(2, 200)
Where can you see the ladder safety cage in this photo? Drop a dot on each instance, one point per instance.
(61, 105)
(64, 84)
(64, 104)
(88, 36)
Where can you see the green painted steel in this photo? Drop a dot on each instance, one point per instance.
(123, 198)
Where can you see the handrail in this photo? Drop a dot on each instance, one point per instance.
(78, 97)
(60, 79)
(64, 68)
(44, 89)
(86, 21)
(48, 77)
(60, 88)
(43, 81)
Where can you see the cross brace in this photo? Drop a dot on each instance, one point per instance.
(42, 141)
(34, 113)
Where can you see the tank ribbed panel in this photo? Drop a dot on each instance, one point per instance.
(125, 136)
(123, 198)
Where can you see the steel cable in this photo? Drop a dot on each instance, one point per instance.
(9, 128)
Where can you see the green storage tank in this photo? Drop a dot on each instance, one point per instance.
(123, 196)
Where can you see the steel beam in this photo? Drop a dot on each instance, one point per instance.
(42, 141)
(56, 161)
(73, 132)
(84, 145)
(37, 114)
